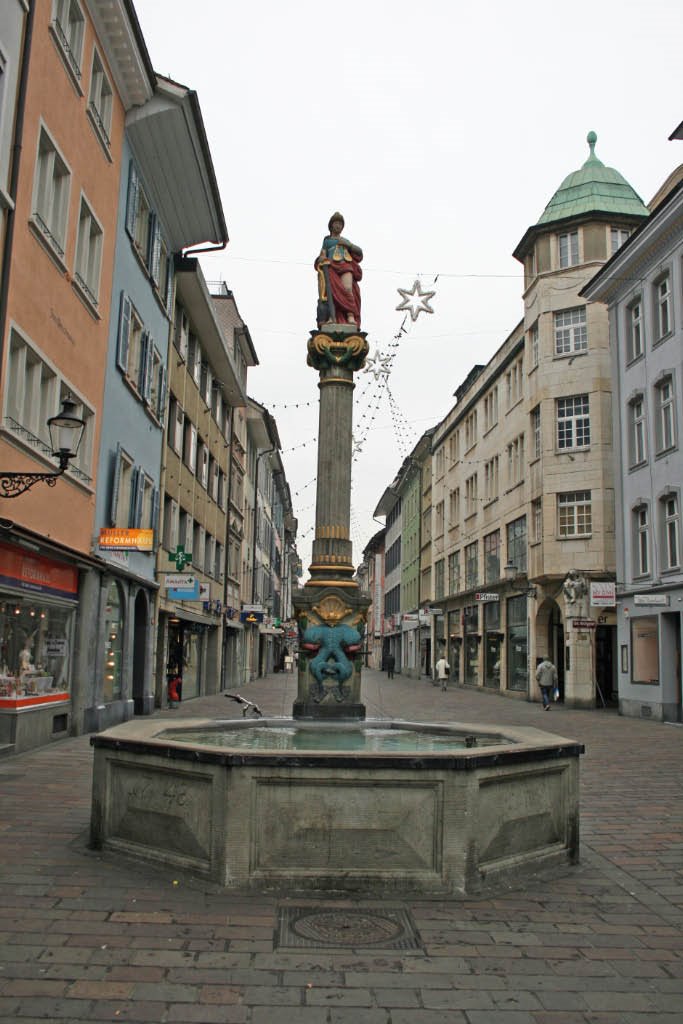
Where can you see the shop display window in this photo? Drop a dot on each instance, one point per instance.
(113, 645)
(35, 652)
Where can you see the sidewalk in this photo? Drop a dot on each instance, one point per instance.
(86, 936)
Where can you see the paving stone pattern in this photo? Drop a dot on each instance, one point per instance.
(86, 936)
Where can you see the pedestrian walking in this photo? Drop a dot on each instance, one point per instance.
(391, 665)
(443, 670)
(546, 677)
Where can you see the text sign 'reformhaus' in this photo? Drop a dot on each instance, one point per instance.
(126, 540)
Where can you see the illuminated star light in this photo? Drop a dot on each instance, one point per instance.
(415, 300)
(378, 365)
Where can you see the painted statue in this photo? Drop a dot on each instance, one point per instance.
(574, 587)
(330, 646)
(339, 272)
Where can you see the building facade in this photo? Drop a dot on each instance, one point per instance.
(642, 288)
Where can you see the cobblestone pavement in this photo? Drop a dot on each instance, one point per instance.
(86, 936)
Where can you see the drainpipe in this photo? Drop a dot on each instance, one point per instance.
(227, 544)
(267, 451)
(14, 173)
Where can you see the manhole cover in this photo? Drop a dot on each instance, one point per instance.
(323, 927)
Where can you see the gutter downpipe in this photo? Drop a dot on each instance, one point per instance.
(14, 174)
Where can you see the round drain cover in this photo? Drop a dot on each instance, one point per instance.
(346, 928)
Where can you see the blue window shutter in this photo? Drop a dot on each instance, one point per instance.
(116, 480)
(155, 516)
(144, 363)
(161, 402)
(134, 488)
(124, 333)
(169, 285)
(155, 249)
(132, 203)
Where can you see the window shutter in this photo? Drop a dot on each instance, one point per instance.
(161, 401)
(155, 249)
(124, 333)
(169, 285)
(116, 480)
(132, 203)
(155, 517)
(146, 361)
(135, 497)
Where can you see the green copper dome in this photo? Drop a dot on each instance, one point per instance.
(593, 188)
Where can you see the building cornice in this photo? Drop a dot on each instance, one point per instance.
(120, 36)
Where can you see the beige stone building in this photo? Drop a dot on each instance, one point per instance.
(523, 525)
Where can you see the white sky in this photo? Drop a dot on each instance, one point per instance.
(440, 130)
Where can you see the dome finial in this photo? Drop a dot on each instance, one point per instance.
(591, 139)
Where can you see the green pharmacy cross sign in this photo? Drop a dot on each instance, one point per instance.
(181, 557)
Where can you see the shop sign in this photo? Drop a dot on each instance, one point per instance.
(603, 595)
(126, 540)
(659, 599)
(36, 574)
(182, 587)
(205, 591)
(482, 595)
(55, 647)
(251, 618)
(584, 623)
(258, 609)
(433, 611)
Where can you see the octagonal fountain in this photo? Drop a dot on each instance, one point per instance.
(375, 806)
(326, 800)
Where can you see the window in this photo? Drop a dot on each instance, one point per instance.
(194, 358)
(142, 225)
(203, 464)
(666, 423)
(123, 493)
(663, 320)
(181, 332)
(517, 543)
(574, 514)
(88, 254)
(573, 422)
(170, 525)
(638, 442)
(471, 566)
(641, 523)
(218, 561)
(100, 101)
(156, 398)
(67, 30)
(34, 392)
(471, 495)
(491, 408)
(198, 545)
(209, 554)
(491, 479)
(617, 238)
(134, 352)
(634, 328)
(536, 431)
(671, 518)
(537, 520)
(51, 194)
(569, 249)
(438, 526)
(439, 580)
(454, 447)
(645, 648)
(439, 461)
(533, 345)
(190, 446)
(492, 557)
(454, 507)
(454, 572)
(471, 430)
(571, 334)
(515, 451)
(514, 383)
(176, 419)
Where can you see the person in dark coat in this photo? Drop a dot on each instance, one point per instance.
(391, 665)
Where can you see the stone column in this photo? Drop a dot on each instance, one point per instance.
(330, 609)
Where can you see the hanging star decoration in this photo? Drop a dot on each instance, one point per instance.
(378, 365)
(415, 300)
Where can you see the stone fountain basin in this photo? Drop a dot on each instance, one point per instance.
(457, 822)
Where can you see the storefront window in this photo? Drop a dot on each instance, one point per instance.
(192, 654)
(492, 644)
(35, 646)
(471, 623)
(517, 659)
(113, 645)
(454, 644)
(645, 649)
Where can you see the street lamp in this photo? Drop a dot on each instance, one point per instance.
(66, 432)
(512, 573)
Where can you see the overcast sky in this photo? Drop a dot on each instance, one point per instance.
(440, 130)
